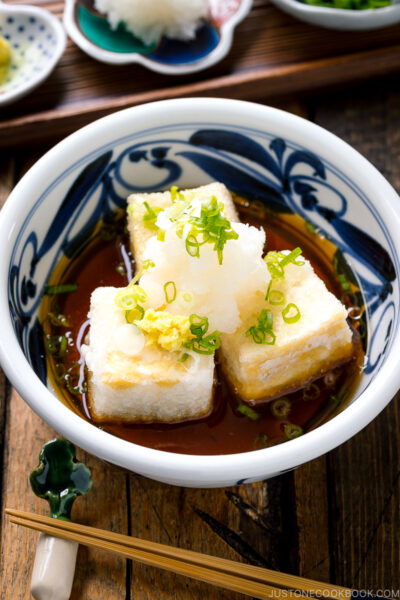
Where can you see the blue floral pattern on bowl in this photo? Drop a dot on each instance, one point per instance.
(37, 41)
(259, 166)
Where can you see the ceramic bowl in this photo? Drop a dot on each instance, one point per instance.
(91, 32)
(258, 152)
(342, 19)
(37, 41)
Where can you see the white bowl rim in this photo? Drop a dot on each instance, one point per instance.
(339, 18)
(61, 36)
(184, 469)
(125, 58)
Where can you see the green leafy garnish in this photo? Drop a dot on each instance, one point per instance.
(176, 194)
(274, 267)
(150, 216)
(60, 478)
(262, 332)
(292, 431)
(277, 261)
(192, 246)
(350, 4)
(310, 227)
(52, 290)
(130, 296)
(261, 441)
(170, 291)
(274, 297)
(135, 314)
(281, 407)
(211, 227)
(56, 345)
(335, 401)
(247, 411)
(311, 392)
(343, 282)
(291, 313)
(201, 343)
(184, 357)
(58, 320)
(291, 258)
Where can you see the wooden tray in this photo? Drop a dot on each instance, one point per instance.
(273, 55)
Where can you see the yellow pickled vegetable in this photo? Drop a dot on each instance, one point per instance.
(5, 57)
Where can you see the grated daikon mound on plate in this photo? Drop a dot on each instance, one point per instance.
(150, 20)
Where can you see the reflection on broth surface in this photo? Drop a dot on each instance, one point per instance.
(230, 428)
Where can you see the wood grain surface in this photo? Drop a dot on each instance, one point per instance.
(334, 519)
(273, 54)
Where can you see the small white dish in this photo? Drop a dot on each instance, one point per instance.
(342, 19)
(171, 57)
(37, 40)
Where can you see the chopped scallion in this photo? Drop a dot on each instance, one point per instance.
(150, 217)
(170, 291)
(247, 411)
(210, 227)
(291, 313)
(292, 431)
(311, 392)
(52, 290)
(199, 343)
(192, 246)
(135, 314)
(343, 282)
(276, 297)
(261, 441)
(262, 332)
(58, 320)
(281, 407)
(291, 258)
(310, 227)
(176, 194)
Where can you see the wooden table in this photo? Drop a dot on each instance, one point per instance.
(335, 519)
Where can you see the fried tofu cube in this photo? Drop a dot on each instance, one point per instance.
(132, 382)
(303, 350)
(138, 231)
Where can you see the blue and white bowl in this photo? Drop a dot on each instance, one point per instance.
(37, 41)
(258, 152)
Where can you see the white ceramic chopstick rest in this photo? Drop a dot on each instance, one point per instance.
(54, 568)
(59, 478)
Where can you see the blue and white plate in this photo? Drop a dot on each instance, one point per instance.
(37, 41)
(92, 33)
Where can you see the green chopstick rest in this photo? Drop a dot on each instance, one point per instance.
(59, 478)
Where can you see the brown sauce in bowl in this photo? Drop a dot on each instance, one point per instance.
(106, 261)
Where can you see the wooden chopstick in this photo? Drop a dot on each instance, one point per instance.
(247, 579)
(208, 575)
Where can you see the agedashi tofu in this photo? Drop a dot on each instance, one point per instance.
(300, 351)
(201, 286)
(136, 376)
(314, 338)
